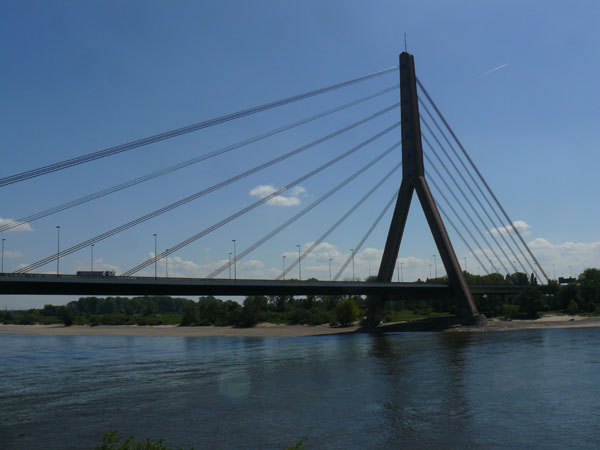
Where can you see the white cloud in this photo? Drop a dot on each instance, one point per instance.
(520, 225)
(23, 226)
(577, 255)
(293, 199)
(99, 264)
(13, 255)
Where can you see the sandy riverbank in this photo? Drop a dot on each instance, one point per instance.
(273, 330)
(544, 322)
(260, 330)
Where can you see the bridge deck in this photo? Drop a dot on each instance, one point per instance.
(43, 284)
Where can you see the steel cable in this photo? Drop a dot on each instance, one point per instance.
(339, 222)
(301, 213)
(483, 180)
(257, 203)
(464, 210)
(449, 220)
(158, 173)
(366, 236)
(460, 203)
(494, 225)
(180, 131)
(201, 193)
(460, 188)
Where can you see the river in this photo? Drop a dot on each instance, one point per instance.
(518, 389)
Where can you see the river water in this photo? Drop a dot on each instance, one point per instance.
(518, 389)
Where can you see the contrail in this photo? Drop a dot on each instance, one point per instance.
(489, 72)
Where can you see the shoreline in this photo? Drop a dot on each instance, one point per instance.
(275, 330)
(260, 330)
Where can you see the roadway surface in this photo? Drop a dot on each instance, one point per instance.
(43, 284)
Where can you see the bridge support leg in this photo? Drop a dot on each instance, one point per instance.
(413, 178)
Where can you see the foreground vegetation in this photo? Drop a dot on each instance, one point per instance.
(579, 297)
(112, 441)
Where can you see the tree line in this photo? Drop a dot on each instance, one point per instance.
(580, 296)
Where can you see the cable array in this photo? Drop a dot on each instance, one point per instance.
(476, 180)
(358, 246)
(341, 220)
(308, 208)
(183, 164)
(183, 130)
(257, 203)
(211, 189)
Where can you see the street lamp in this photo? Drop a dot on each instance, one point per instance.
(230, 265)
(92, 265)
(330, 268)
(57, 249)
(167, 263)
(398, 270)
(570, 271)
(401, 272)
(435, 262)
(2, 270)
(429, 270)
(234, 260)
(299, 268)
(352, 250)
(155, 259)
(283, 266)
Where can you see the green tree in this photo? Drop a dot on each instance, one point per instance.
(573, 307)
(346, 312)
(190, 315)
(254, 310)
(210, 310)
(531, 300)
(588, 289)
(66, 314)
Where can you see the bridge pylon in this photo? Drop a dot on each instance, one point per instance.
(413, 179)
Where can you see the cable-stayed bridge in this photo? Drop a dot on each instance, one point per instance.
(424, 149)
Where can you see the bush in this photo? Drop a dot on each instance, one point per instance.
(573, 307)
(298, 315)
(111, 439)
(66, 314)
(509, 311)
(346, 312)
(531, 300)
(190, 315)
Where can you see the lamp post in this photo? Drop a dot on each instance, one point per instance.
(401, 272)
(2, 270)
(92, 262)
(234, 260)
(554, 267)
(155, 259)
(57, 249)
(429, 270)
(435, 263)
(230, 265)
(283, 266)
(352, 250)
(398, 270)
(167, 263)
(330, 268)
(299, 268)
(570, 271)
(466, 264)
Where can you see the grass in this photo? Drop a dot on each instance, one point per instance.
(409, 315)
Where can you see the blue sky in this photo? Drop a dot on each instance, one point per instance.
(82, 76)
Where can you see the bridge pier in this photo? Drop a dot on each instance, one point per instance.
(413, 179)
